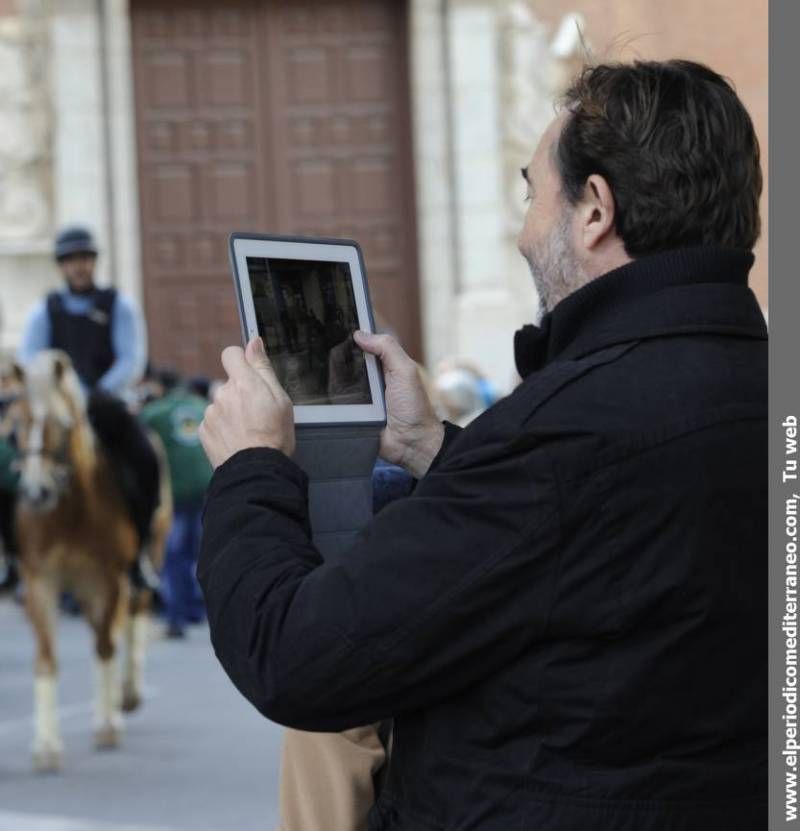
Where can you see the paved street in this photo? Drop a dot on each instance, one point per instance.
(197, 756)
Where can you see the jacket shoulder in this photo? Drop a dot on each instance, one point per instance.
(624, 399)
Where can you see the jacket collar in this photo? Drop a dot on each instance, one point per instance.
(682, 291)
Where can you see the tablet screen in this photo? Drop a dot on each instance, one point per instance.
(306, 315)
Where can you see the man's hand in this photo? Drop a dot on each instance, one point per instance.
(251, 409)
(413, 433)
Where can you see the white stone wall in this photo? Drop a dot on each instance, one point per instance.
(74, 144)
(435, 198)
(496, 77)
(79, 169)
(467, 311)
(483, 305)
(123, 222)
(25, 164)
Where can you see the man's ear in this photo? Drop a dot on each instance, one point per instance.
(597, 211)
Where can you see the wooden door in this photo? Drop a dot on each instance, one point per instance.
(272, 117)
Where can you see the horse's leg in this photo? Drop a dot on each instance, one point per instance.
(41, 605)
(138, 624)
(107, 612)
(136, 632)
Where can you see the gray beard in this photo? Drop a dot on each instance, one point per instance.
(555, 269)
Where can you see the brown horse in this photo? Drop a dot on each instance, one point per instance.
(75, 534)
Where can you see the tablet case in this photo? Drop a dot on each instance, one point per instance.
(338, 462)
(338, 458)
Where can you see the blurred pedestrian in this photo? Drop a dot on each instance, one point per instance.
(10, 386)
(487, 390)
(200, 385)
(9, 478)
(175, 418)
(148, 388)
(459, 396)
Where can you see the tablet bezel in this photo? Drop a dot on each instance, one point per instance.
(242, 245)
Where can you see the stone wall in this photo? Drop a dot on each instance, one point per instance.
(26, 160)
(67, 146)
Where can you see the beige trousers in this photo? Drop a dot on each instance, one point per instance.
(327, 779)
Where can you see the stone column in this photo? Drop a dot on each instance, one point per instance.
(79, 158)
(483, 305)
(124, 231)
(433, 171)
(483, 79)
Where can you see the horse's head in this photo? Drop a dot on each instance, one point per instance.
(52, 434)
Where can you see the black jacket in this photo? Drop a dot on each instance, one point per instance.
(567, 618)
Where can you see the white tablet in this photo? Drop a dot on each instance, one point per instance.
(305, 297)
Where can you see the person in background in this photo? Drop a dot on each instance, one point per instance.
(9, 477)
(459, 396)
(200, 385)
(103, 333)
(8, 497)
(148, 388)
(100, 329)
(175, 418)
(488, 392)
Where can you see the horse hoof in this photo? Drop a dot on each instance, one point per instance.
(47, 761)
(131, 700)
(106, 737)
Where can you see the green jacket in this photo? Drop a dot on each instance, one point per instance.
(175, 418)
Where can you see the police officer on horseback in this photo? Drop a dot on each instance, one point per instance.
(99, 328)
(103, 333)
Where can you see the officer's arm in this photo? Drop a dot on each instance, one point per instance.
(441, 589)
(36, 335)
(128, 341)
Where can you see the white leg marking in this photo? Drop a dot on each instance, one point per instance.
(47, 739)
(137, 632)
(47, 746)
(107, 695)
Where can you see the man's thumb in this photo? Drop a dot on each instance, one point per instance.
(385, 347)
(363, 338)
(256, 356)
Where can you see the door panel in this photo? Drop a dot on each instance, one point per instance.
(272, 117)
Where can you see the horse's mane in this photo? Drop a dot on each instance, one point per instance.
(53, 386)
(54, 390)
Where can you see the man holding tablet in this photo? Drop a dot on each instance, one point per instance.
(565, 619)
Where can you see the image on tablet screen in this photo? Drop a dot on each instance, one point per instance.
(306, 316)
